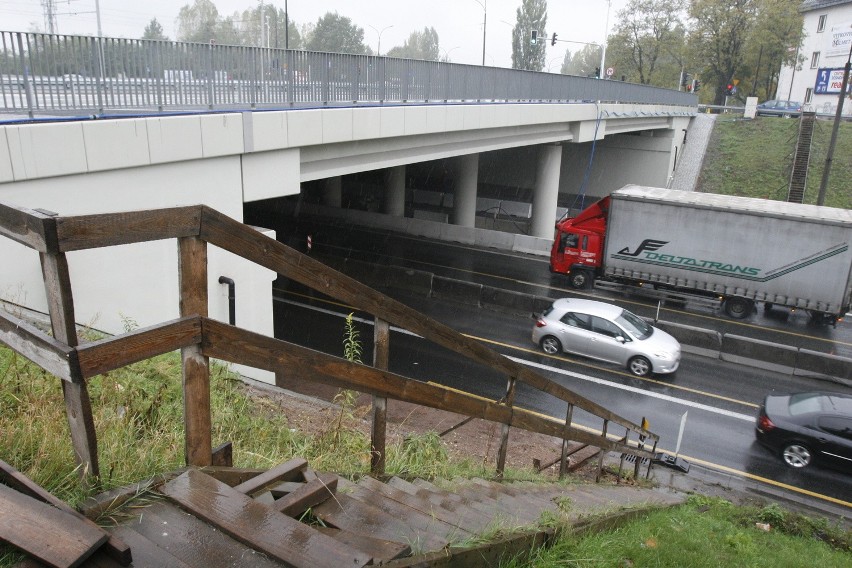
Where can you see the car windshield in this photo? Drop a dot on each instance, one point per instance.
(805, 403)
(634, 325)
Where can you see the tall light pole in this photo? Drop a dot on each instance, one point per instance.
(379, 46)
(484, 4)
(606, 34)
(823, 186)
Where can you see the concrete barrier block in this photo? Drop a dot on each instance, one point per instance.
(373, 275)
(824, 366)
(541, 303)
(532, 245)
(423, 228)
(456, 290)
(408, 279)
(507, 300)
(494, 239)
(706, 342)
(757, 353)
(457, 234)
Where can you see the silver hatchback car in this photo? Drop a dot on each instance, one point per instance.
(606, 332)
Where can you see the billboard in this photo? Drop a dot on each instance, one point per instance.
(841, 39)
(828, 81)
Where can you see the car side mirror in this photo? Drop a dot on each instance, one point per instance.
(620, 339)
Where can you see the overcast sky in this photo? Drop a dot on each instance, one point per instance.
(458, 22)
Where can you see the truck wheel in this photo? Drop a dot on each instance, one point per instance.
(579, 279)
(550, 345)
(821, 318)
(738, 308)
(639, 366)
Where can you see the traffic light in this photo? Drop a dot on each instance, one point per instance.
(684, 79)
(533, 37)
(696, 84)
(553, 39)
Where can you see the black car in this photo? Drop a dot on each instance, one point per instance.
(808, 427)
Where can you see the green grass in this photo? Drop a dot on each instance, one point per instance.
(705, 532)
(753, 158)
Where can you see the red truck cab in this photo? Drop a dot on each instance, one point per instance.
(578, 245)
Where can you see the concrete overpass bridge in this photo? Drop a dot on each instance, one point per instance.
(474, 154)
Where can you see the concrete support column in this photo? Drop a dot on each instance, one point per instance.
(464, 199)
(546, 191)
(394, 203)
(332, 191)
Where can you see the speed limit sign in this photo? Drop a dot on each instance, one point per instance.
(609, 71)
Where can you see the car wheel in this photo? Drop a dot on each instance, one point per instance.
(579, 279)
(639, 366)
(796, 455)
(550, 345)
(738, 308)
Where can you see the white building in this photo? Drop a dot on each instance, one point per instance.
(827, 32)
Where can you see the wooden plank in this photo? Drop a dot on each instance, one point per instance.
(257, 525)
(24, 226)
(308, 495)
(40, 348)
(109, 229)
(78, 406)
(49, 534)
(192, 273)
(223, 455)
(378, 435)
(117, 549)
(285, 487)
(233, 236)
(111, 353)
(377, 548)
(287, 471)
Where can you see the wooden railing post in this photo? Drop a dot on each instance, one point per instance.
(563, 461)
(78, 405)
(504, 434)
(198, 446)
(381, 342)
(601, 457)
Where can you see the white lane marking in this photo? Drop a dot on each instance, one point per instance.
(557, 370)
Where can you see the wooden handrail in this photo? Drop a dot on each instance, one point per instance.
(51, 355)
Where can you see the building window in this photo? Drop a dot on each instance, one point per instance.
(821, 24)
(815, 60)
(809, 94)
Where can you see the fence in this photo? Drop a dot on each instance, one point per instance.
(199, 337)
(62, 74)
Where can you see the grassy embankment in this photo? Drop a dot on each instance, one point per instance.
(139, 421)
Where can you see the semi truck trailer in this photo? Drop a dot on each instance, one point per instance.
(738, 250)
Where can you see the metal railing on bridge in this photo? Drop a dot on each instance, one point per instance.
(46, 74)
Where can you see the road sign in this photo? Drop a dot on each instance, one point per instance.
(609, 71)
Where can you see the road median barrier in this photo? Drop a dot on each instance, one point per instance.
(508, 300)
(456, 290)
(696, 340)
(758, 353)
(408, 279)
(823, 366)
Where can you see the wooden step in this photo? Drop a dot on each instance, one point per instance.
(257, 525)
(44, 532)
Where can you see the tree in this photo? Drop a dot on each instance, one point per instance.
(269, 28)
(531, 15)
(336, 34)
(198, 22)
(647, 43)
(773, 43)
(583, 62)
(153, 30)
(721, 29)
(419, 45)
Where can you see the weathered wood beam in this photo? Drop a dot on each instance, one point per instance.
(25, 226)
(108, 229)
(51, 355)
(192, 255)
(378, 435)
(112, 353)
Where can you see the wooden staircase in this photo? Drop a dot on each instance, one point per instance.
(293, 516)
(801, 159)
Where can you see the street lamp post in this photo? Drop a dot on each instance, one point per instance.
(484, 4)
(379, 46)
(606, 33)
(826, 172)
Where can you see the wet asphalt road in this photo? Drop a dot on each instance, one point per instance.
(720, 398)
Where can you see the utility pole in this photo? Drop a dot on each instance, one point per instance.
(826, 172)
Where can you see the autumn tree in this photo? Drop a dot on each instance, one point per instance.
(419, 45)
(772, 43)
(531, 15)
(583, 62)
(336, 34)
(647, 45)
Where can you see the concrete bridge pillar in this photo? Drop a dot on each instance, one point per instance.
(546, 191)
(394, 203)
(332, 191)
(464, 200)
